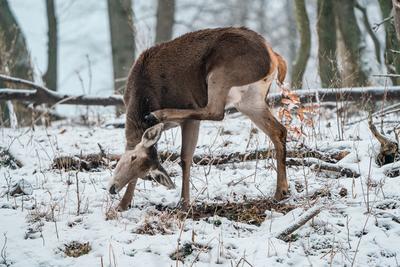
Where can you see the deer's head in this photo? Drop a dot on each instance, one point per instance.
(140, 162)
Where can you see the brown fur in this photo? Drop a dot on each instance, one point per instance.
(174, 74)
(177, 81)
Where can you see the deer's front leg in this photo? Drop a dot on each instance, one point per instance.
(190, 133)
(126, 200)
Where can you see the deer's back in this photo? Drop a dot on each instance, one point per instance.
(174, 74)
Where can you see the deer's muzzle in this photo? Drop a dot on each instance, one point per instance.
(112, 190)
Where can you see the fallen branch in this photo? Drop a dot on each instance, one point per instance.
(43, 95)
(395, 172)
(8, 160)
(102, 159)
(88, 162)
(323, 166)
(348, 94)
(236, 157)
(389, 150)
(299, 222)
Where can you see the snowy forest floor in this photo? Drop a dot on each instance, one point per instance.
(70, 213)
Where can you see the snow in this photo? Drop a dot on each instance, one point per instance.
(38, 226)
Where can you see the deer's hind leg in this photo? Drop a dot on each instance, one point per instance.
(217, 89)
(190, 133)
(252, 104)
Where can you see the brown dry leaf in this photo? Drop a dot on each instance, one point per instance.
(294, 98)
(286, 101)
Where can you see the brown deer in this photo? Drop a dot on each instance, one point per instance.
(189, 79)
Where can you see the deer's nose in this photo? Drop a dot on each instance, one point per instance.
(112, 190)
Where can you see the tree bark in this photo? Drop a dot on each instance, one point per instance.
(353, 43)
(371, 33)
(327, 58)
(262, 25)
(43, 95)
(122, 41)
(14, 60)
(303, 53)
(165, 20)
(396, 15)
(50, 77)
(292, 34)
(392, 59)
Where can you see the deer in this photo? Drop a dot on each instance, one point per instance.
(190, 79)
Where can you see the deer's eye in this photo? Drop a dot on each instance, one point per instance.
(133, 157)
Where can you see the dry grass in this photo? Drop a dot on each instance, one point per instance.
(76, 249)
(7, 160)
(250, 211)
(188, 249)
(163, 223)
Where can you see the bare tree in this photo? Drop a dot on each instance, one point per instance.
(165, 20)
(50, 77)
(327, 62)
(303, 53)
(396, 15)
(291, 34)
(243, 11)
(261, 16)
(392, 59)
(354, 45)
(14, 59)
(122, 41)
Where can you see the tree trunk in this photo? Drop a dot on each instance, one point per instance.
(303, 26)
(14, 60)
(243, 11)
(165, 20)
(291, 34)
(392, 59)
(50, 77)
(261, 17)
(122, 41)
(353, 42)
(396, 15)
(327, 58)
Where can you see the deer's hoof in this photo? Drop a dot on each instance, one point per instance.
(123, 207)
(281, 194)
(151, 119)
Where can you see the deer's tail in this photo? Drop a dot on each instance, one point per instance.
(282, 68)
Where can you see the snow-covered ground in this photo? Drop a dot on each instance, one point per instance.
(361, 228)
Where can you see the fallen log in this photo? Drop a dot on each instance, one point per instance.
(341, 94)
(42, 95)
(299, 222)
(94, 161)
(235, 157)
(323, 166)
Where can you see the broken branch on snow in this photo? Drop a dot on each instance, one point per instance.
(102, 159)
(300, 221)
(389, 150)
(323, 166)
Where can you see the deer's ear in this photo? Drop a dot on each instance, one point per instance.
(160, 175)
(152, 135)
